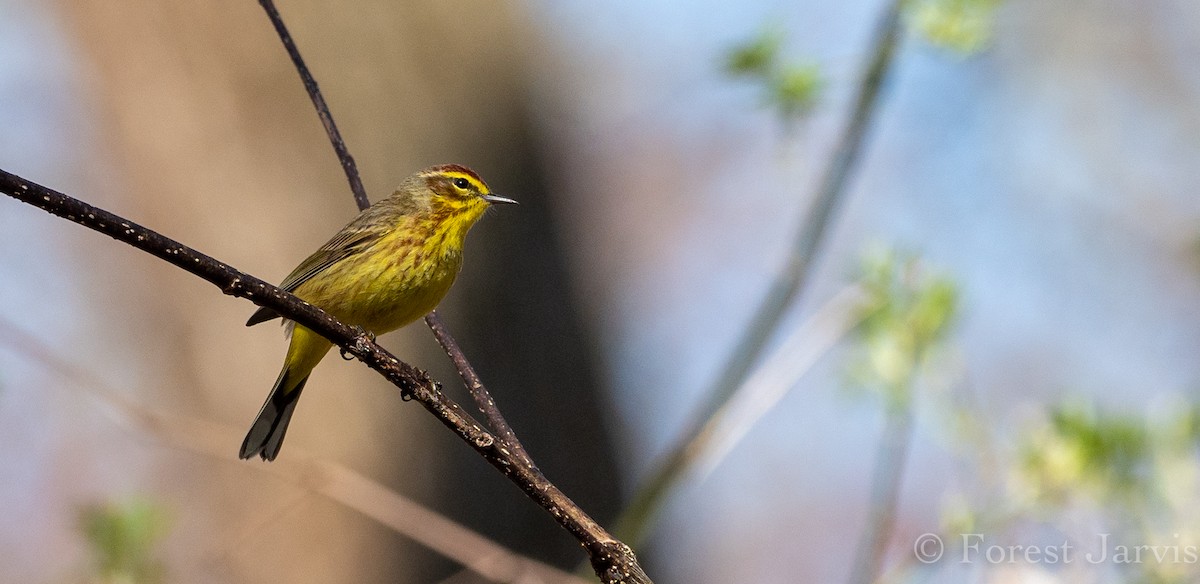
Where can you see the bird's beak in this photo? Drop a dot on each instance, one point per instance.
(495, 200)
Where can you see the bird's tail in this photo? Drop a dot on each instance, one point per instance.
(266, 434)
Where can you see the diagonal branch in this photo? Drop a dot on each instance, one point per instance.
(483, 400)
(890, 459)
(612, 560)
(310, 84)
(783, 291)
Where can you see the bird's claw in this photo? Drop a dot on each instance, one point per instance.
(362, 332)
(360, 344)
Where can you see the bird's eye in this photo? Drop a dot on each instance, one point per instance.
(461, 183)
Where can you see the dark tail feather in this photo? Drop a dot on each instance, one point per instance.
(263, 314)
(266, 434)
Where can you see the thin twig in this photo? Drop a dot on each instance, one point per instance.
(885, 491)
(310, 84)
(612, 560)
(635, 521)
(777, 376)
(483, 399)
(336, 482)
(769, 383)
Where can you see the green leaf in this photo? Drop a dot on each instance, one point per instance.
(962, 26)
(757, 56)
(905, 316)
(124, 538)
(790, 88)
(795, 89)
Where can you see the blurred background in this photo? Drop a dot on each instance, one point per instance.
(998, 336)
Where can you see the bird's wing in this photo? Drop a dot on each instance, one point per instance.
(343, 245)
(346, 243)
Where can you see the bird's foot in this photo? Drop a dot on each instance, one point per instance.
(364, 336)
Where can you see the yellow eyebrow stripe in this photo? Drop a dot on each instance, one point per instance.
(478, 184)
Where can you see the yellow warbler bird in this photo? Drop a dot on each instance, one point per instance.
(390, 266)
